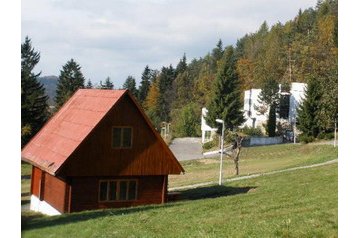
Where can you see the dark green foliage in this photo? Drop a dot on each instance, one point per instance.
(269, 96)
(145, 84)
(307, 113)
(226, 103)
(107, 84)
(182, 66)
(166, 92)
(34, 108)
(70, 80)
(130, 84)
(271, 122)
(89, 84)
(217, 54)
(303, 138)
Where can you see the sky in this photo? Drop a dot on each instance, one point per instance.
(118, 38)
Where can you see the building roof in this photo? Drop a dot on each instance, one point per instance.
(69, 127)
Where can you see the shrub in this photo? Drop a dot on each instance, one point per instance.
(305, 138)
(251, 131)
(209, 145)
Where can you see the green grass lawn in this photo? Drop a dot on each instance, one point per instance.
(302, 203)
(254, 160)
(25, 182)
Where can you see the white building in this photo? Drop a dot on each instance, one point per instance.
(288, 107)
(207, 132)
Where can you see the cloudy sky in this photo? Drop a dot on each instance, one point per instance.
(117, 38)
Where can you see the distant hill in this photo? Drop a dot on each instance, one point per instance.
(50, 84)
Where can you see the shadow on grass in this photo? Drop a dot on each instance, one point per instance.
(30, 220)
(212, 192)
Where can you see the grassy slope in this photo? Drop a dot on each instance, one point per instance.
(254, 160)
(292, 204)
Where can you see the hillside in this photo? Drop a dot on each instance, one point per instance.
(50, 84)
(302, 203)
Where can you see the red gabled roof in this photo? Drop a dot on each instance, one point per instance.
(64, 132)
(69, 127)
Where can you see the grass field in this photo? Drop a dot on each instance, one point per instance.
(302, 203)
(254, 160)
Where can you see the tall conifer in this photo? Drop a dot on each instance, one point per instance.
(34, 108)
(70, 79)
(225, 103)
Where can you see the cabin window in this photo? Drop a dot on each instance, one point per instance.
(118, 190)
(122, 137)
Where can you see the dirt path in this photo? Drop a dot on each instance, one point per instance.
(253, 175)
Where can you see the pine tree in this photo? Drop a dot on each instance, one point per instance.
(226, 103)
(70, 79)
(107, 84)
(182, 66)
(89, 84)
(307, 113)
(217, 54)
(130, 84)
(144, 84)
(166, 92)
(34, 108)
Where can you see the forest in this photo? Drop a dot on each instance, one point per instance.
(304, 49)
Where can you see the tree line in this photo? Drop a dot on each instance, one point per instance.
(304, 49)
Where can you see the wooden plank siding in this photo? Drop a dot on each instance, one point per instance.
(85, 192)
(36, 181)
(55, 192)
(96, 157)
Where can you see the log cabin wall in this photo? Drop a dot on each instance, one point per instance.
(85, 192)
(54, 192)
(96, 157)
(36, 181)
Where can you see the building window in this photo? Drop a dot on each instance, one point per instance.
(121, 137)
(284, 106)
(117, 190)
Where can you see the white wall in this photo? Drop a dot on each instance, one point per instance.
(251, 98)
(42, 206)
(205, 127)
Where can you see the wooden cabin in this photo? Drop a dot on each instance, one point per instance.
(98, 151)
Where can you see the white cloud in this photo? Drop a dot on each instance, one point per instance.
(118, 38)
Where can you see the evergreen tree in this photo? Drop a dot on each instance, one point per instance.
(89, 84)
(107, 84)
(34, 108)
(144, 84)
(182, 66)
(271, 121)
(226, 103)
(70, 79)
(269, 97)
(307, 112)
(130, 84)
(217, 54)
(166, 92)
